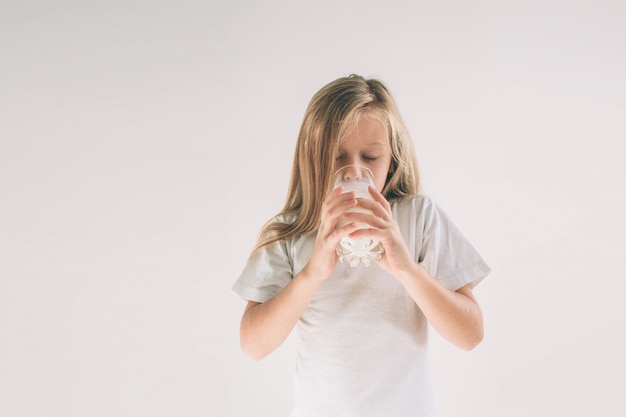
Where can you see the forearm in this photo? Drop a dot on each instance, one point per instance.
(455, 315)
(264, 327)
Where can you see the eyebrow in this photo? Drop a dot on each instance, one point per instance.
(375, 144)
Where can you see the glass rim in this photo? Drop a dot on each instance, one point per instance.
(354, 166)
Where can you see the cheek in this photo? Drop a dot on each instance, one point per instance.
(381, 179)
(383, 174)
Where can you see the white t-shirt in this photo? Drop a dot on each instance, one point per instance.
(362, 341)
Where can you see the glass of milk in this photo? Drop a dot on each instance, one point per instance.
(363, 250)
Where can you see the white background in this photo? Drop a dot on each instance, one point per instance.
(144, 144)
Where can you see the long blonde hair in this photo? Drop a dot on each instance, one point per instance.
(332, 113)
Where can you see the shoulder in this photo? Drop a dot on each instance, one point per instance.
(415, 204)
(283, 218)
(278, 231)
(418, 211)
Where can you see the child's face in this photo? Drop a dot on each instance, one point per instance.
(367, 145)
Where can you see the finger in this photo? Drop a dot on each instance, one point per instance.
(382, 235)
(369, 233)
(367, 218)
(379, 198)
(332, 199)
(333, 235)
(334, 193)
(375, 207)
(340, 204)
(345, 230)
(332, 211)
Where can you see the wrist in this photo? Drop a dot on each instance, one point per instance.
(409, 273)
(312, 275)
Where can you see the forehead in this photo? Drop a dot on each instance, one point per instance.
(366, 131)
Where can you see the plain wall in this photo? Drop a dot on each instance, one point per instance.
(144, 143)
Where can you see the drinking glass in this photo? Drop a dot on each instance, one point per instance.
(362, 250)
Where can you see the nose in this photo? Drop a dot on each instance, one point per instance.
(352, 173)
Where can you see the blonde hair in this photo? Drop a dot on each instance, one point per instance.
(332, 113)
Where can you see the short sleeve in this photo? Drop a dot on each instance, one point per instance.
(445, 252)
(266, 273)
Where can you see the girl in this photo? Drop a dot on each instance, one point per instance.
(362, 332)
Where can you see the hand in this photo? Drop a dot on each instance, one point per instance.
(396, 257)
(324, 257)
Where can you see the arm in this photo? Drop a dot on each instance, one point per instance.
(456, 315)
(265, 326)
